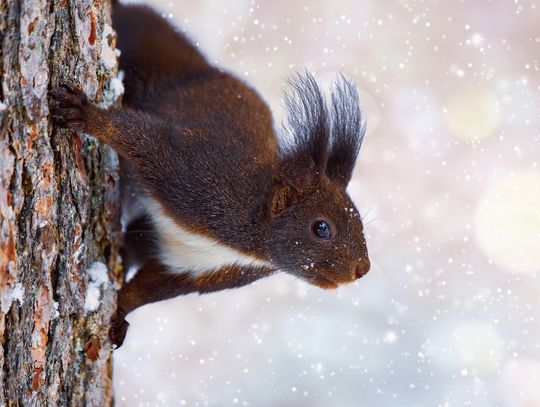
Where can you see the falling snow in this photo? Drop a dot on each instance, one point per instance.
(448, 186)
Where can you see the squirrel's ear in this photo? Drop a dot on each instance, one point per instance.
(283, 196)
(307, 124)
(348, 129)
(294, 177)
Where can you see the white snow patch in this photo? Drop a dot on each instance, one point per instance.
(98, 273)
(98, 277)
(113, 90)
(10, 294)
(56, 313)
(3, 106)
(108, 55)
(18, 293)
(117, 87)
(78, 253)
(6, 299)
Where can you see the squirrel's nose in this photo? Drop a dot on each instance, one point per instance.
(362, 267)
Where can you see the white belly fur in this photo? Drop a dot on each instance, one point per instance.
(183, 251)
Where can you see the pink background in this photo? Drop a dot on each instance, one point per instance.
(449, 184)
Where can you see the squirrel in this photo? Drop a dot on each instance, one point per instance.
(213, 198)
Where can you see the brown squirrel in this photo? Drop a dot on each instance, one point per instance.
(213, 199)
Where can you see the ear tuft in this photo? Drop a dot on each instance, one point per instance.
(308, 125)
(332, 135)
(348, 129)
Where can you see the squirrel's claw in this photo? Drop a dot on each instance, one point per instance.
(119, 327)
(68, 107)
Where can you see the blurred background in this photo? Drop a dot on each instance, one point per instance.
(448, 183)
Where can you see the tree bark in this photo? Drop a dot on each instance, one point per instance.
(59, 208)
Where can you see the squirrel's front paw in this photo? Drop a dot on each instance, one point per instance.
(68, 107)
(119, 327)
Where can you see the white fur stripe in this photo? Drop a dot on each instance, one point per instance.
(183, 251)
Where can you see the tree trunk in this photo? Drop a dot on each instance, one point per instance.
(59, 208)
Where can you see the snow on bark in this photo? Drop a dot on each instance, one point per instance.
(59, 228)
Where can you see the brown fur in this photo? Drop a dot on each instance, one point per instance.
(202, 144)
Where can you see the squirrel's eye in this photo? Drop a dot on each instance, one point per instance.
(321, 229)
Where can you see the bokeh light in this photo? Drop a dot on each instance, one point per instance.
(507, 223)
(519, 383)
(472, 114)
(448, 187)
(466, 348)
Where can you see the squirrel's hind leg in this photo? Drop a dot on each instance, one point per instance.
(152, 283)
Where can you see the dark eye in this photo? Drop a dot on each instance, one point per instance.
(321, 229)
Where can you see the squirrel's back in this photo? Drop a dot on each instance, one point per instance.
(222, 145)
(165, 73)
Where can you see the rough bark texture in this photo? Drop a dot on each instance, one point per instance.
(59, 210)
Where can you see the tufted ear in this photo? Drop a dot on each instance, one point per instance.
(347, 128)
(307, 126)
(294, 177)
(330, 136)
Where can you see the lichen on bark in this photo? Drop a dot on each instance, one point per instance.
(59, 207)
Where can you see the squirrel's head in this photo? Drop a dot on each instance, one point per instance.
(315, 232)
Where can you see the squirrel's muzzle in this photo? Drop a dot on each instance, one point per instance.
(361, 267)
